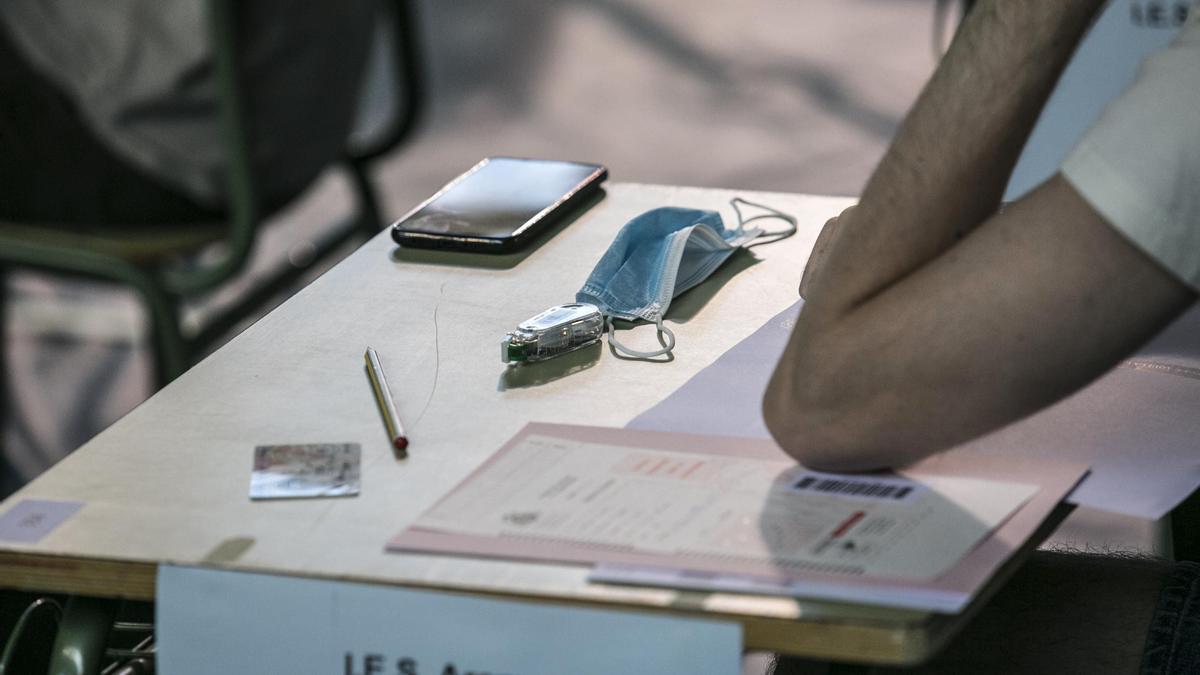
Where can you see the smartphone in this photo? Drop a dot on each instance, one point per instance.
(499, 205)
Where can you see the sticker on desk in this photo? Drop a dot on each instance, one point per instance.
(312, 470)
(32, 519)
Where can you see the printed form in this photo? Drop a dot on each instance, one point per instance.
(754, 512)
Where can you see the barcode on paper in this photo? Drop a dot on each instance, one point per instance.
(854, 487)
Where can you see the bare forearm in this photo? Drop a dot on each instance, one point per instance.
(1036, 302)
(947, 167)
(932, 317)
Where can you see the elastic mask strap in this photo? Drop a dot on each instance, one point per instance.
(767, 237)
(668, 343)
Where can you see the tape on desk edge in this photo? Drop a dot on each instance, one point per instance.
(228, 551)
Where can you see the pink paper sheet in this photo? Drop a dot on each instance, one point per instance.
(954, 588)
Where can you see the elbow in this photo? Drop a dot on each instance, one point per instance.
(800, 422)
(825, 431)
(789, 425)
(812, 442)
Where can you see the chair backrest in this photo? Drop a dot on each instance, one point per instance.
(244, 199)
(397, 70)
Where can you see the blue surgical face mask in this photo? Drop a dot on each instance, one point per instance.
(663, 253)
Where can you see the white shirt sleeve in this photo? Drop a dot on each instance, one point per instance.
(1139, 165)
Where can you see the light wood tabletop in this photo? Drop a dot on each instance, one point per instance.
(168, 483)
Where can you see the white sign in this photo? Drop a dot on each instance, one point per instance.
(220, 621)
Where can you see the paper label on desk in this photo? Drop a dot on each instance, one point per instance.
(705, 511)
(220, 621)
(32, 519)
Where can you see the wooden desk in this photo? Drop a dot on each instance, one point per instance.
(168, 483)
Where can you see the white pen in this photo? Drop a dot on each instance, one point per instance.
(387, 406)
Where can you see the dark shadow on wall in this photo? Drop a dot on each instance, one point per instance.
(724, 75)
(499, 49)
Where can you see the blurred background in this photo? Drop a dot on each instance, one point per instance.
(788, 95)
(795, 95)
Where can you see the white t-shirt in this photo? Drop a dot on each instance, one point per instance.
(1139, 165)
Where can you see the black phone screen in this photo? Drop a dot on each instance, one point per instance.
(497, 199)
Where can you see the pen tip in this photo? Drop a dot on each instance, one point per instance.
(401, 443)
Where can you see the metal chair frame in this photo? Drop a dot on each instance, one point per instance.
(161, 286)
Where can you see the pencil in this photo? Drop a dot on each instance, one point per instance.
(387, 406)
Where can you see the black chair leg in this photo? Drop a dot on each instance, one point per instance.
(8, 478)
(369, 219)
(28, 628)
(171, 351)
(82, 635)
(1185, 529)
(5, 375)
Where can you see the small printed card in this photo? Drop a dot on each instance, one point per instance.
(312, 470)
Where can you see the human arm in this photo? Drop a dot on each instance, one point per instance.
(964, 319)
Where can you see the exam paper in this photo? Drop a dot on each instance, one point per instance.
(936, 599)
(928, 538)
(1138, 426)
(763, 511)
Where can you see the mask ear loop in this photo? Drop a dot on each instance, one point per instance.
(668, 344)
(665, 336)
(765, 237)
